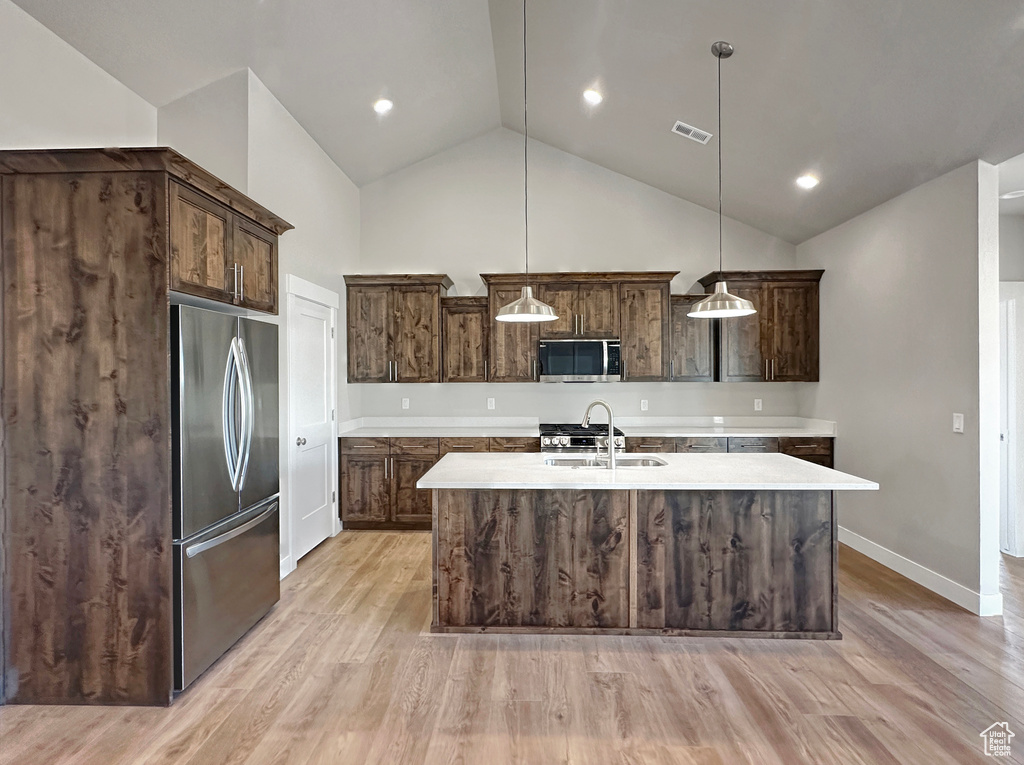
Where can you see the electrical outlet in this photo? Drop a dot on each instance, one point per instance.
(405, 403)
(490, 403)
(757, 405)
(643, 405)
(718, 420)
(958, 422)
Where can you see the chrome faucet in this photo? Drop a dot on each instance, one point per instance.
(611, 428)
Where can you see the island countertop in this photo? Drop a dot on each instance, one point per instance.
(684, 472)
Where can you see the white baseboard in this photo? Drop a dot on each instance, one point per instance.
(975, 602)
(286, 566)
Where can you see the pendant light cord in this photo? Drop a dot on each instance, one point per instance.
(719, 164)
(526, 159)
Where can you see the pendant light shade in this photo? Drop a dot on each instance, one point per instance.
(527, 308)
(721, 305)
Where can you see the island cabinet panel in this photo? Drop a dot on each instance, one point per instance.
(692, 343)
(86, 438)
(465, 327)
(550, 558)
(645, 331)
(513, 345)
(736, 561)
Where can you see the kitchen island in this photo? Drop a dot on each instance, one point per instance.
(702, 544)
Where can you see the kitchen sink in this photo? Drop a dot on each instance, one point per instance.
(625, 461)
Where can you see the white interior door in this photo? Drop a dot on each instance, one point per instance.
(311, 382)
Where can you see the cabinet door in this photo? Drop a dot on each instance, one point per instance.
(409, 504)
(741, 356)
(791, 342)
(464, 330)
(645, 324)
(255, 255)
(365, 489)
(369, 330)
(416, 343)
(692, 343)
(598, 309)
(200, 245)
(563, 298)
(513, 356)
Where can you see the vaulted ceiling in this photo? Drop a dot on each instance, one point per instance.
(873, 96)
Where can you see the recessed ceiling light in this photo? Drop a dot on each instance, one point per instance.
(1013, 194)
(807, 181)
(592, 97)
(383, 105)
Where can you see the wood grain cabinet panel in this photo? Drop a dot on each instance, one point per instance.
(741, 353)
(818, 450)
(563, 298)
(410, 505)
(200, 238)
(645, 331)
(513, 345)
(720, 560)
(255, 256)
(394, 327)
(365, 489)
(692, 342)
(465, 329)
(706, 445)
(598, 308)
(791, 336)
(459, 445)
(758, 444)
(514, 444)
(650, 444)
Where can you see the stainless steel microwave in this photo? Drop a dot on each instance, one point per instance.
(579, 361)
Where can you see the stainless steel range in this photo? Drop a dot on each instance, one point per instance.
(576, 439)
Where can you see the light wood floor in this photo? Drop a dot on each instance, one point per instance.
(344, 671)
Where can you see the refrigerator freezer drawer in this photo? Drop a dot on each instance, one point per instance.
(226, 580)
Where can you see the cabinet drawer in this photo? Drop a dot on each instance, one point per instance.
(706, 445)
(464, 445)
(818, 459)
(424, 447)
(364, 445)
(806, 446)
(746, 444)
(515, 444)
(650, 444)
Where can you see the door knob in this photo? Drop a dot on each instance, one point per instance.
(300, 441)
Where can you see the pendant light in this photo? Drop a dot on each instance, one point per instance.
(527, 308)
(721, 305)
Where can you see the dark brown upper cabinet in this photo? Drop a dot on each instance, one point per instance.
(512, 351)
(219, 254)
(645, 331)
(589, 309)
(394, 327)
(465, 326)
(693, 354)
(780, 342)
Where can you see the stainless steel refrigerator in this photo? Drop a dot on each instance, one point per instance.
(226, 528)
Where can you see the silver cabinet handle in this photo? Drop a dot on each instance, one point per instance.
(234, 271)
(359, 446)
(583, 324)
(773, 369)
(672, 369)
(486, 377)
(460, 446)
(386, 461)
(241, 283)
(766, 377)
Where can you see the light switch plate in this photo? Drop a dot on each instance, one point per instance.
(490, 403)
(757, 405)
(958, 422)
(643, 405)
(405, 403)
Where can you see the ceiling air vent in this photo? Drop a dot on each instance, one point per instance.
(689, 131)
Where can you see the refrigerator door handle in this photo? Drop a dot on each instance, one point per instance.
(195, 549)
(230, 431)
(248, 412)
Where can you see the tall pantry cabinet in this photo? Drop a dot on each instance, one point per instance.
(91, 244)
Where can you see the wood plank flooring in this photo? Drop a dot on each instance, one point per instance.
(344, 671)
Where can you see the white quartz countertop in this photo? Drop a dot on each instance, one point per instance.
(633, 427)
(740, 472)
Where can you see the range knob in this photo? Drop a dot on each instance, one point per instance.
(563, 440)
(620, 442)
(546, 441)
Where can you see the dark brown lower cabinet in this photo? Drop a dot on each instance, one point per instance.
(378, 482)
(755, 444)
(650, 444)
(514, 444)
(702, 444)
(819, 450)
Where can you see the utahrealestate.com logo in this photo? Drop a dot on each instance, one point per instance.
(997, 740)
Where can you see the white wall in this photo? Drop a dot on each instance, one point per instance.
(210, 126)
(51, 96)
(1011, 248)
(461, 213)
(1011, 295)
(908, 318)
